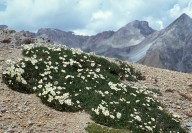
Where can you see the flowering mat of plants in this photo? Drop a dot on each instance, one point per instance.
(70, 80)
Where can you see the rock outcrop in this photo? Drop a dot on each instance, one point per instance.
(170, 48)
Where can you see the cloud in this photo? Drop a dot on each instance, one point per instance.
(181, 7)
(89, 16)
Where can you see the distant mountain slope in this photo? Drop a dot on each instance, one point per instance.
(108, 43)
(170, 48)
(2, 27)
(62, 37)
(131, 34)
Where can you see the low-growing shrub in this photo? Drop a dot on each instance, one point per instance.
(70, 80)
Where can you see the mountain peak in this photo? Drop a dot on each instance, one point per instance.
(184, 15)
(143, 26)
(184, 19)
(137, 23)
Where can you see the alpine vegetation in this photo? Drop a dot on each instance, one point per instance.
(70, 80)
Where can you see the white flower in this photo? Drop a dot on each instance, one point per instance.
(79, 70)
(138, 118)
(39, 86)
(23, 81)
(58, 92)
(122, 99)
(148, 128)
(96, 111)
(22, 64)
(106, 92)
(133, 94)
(50, 98)
(118, 115)
(77, 102)
(18, 79)
(105, 112)
(45, 78)
(88, 88)
(112, 117)
(34, 88)
(160, 108)
(83, 77)
(36, 67)
(56, 83)
(85, 57)
(40, 81)
(97, 70)
(92, 64)
(68, 102)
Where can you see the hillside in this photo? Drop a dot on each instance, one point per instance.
(32, 115)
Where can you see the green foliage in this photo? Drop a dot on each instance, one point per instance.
(94, 128)
(129, 73)
(70, 80)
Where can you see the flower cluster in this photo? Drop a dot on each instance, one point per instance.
(14, 71)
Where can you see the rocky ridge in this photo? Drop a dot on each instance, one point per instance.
(170, 48)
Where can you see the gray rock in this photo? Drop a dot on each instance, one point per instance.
(189, 126)
(170, 48)
(10, 130)
(4, 110)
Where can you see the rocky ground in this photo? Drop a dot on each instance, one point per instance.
(176, 90)
(25, 113)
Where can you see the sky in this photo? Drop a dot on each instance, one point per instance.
(88, 17)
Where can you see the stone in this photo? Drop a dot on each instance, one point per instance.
(189, 126)
(10, 130)
(4, 110)
(30, 123)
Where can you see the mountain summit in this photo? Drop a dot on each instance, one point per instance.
(143, 26)
(171, 48)
(131, 34)
(184, 19)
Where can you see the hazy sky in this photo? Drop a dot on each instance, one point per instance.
(89, 16)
